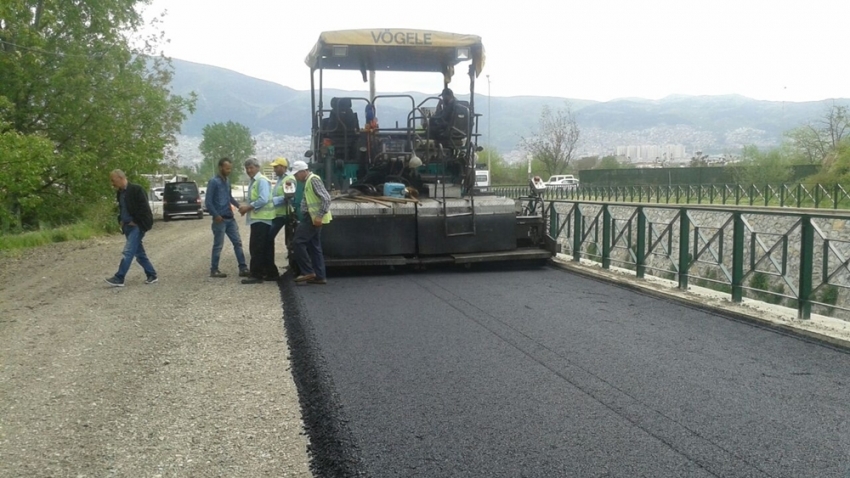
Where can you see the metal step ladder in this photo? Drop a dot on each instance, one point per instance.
(463, 222)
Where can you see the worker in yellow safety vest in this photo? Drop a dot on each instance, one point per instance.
(260, 210)
(316, 210)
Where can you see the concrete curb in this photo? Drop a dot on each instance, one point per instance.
(697, 301)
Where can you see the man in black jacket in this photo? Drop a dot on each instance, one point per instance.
(440, 124)
(136, 219)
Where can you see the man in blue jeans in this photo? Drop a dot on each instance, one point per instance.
(136, 219)
(218, 202)
(316, 210)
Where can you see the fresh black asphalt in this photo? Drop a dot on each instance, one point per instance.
(536, 372)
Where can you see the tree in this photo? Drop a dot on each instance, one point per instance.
(836, 167)
(699, 160)
(554, 142)
(23, 159)
(589, 162)
(71, 76)
(813, 142)
(762, 167)
(609, 162)
(230, 140)
(501, 172)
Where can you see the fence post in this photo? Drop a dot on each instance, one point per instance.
(737, 257)
(606, 237)
(554, 221)
(835, 196)
(807, 257)
(684, 248)
(578, 232)
(641, 243)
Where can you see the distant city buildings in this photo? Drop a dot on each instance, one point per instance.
(652, 153)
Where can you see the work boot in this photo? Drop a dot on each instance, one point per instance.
(115, 282)
(245, 273)
(218, 274)
(318, 281)
(305, 278)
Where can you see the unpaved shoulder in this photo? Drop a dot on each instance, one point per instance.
(187, 377)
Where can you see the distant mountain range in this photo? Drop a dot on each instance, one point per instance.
(713, 124)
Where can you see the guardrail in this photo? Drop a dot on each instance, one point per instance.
(800, 259)
(798, 195)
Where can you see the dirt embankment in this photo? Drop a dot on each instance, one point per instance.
(186, 377)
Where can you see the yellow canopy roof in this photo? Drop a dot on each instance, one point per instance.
(395, 50)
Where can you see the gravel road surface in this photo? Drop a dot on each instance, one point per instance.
(186, 377)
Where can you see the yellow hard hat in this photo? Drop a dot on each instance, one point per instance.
(281, 162)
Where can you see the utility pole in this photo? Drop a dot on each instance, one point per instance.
(489, 138)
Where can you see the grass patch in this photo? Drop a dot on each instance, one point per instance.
(31, 239)
(99, 219)
(828, 295)
(765, 291)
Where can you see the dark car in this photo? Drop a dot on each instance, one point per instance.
(181, 199)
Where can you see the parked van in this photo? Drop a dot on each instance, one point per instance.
(482, 179)
(181, 199)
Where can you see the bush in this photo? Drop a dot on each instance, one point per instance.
(836, 168)
(762, 167)
(760, 281)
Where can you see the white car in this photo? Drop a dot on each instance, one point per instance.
(563, 181)
(203, 192)
(157, 193)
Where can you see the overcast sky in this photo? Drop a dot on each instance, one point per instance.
(585, 49)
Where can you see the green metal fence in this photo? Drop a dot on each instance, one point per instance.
(798, 195)
(799, 259)
(686, 175)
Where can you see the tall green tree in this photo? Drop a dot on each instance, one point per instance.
(762, 167)
(23, 158)
(813, 142)
(72, 74)
(554, 141)
(231, 140)
(609, 162)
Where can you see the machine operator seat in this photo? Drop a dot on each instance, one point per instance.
(454, 133)
(460, 126)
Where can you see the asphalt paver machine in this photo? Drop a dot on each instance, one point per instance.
(404, 193)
